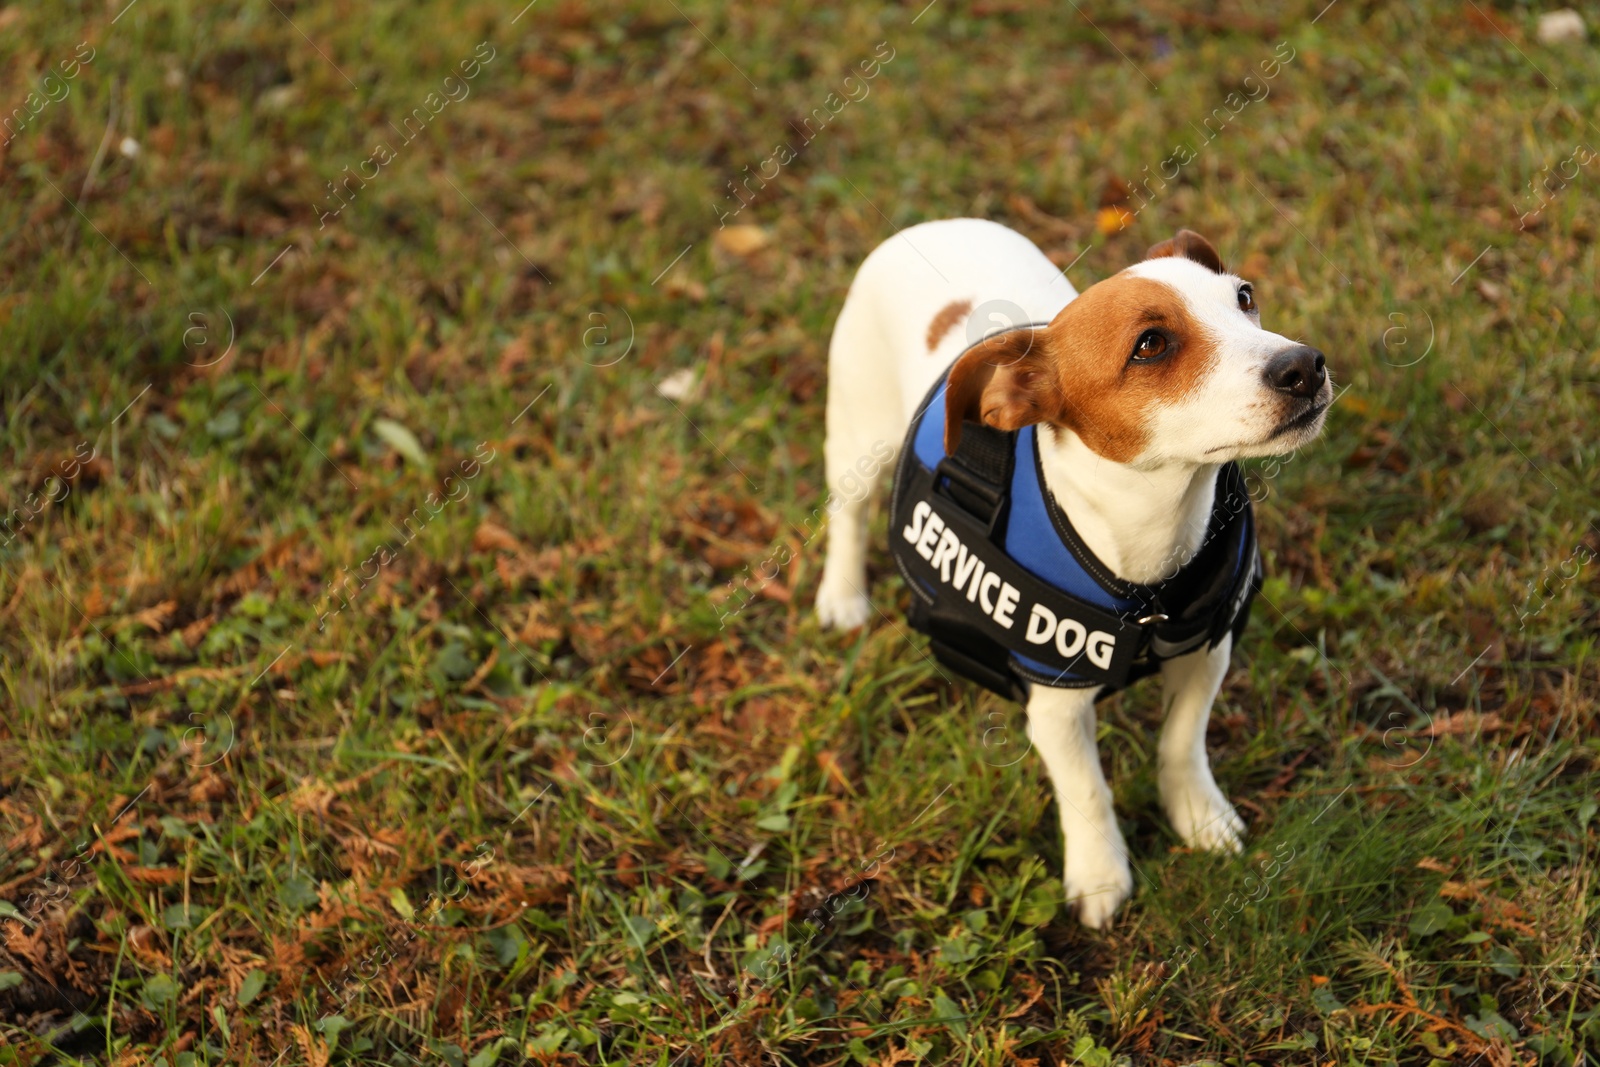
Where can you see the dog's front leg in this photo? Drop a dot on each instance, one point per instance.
(1062, 726)
(1198, 810)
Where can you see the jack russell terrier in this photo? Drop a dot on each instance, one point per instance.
(1066, 510)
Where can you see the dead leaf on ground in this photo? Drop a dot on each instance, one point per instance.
(313, 798)
(148, 946)
(741, 241)
(192, 633)
(154, 875)
(156, 618)
(1113, 219)
(316, 1052)
(894, 1056)
(678, 284)
(537, 627)
(208, 789)
(490, 536)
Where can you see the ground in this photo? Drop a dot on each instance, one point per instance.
(412, 484)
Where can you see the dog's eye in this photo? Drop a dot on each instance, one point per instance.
(1247, 299)
(1152, 345)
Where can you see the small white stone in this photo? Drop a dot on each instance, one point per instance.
(678, 385)
(129, 147)
(1556, 27)
(280, 98)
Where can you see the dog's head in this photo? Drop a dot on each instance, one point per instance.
(1165, 361)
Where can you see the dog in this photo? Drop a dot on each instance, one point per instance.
(1139, 391)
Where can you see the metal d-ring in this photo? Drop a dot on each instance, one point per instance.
(1148, 619)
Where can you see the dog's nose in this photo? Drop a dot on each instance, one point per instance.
(1299, 371)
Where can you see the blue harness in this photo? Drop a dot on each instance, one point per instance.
(1009, 594)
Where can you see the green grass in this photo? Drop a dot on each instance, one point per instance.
(566, 778)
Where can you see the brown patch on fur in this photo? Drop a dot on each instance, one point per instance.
(1075, 373)
(1189, 245)
(948, 318)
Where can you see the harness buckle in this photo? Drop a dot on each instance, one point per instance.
(973, 493)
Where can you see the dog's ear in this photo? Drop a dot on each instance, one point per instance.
(1189, 245)
(1001, 381)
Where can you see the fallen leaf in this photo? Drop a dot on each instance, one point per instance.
(313, 798)
(316, 1052)
(537, 628)
(154, 875)
(1113, 219)
(894, 1056)
(208, 789)
(401, 440)
(677, 284)
(145, 942)
(491, 536)
(192, 633)
(741, 240)
(678, 385)
(156, 618)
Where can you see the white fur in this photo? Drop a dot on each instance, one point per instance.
(1143, 519)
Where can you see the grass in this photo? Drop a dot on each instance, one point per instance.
(394, 676)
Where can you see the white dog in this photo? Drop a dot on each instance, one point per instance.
(1139, 392)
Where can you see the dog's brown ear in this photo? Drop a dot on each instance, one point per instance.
(1189, 245)
(1001, 381)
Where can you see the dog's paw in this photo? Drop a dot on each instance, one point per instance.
(842, 608)
(1204, 819)
(1097, 886)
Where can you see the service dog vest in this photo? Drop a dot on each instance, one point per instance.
(1009, 594)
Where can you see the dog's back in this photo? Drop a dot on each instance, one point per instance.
(919, 299)
(908, 309)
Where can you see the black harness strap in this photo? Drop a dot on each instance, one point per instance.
(978, 476)
(975, 480)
